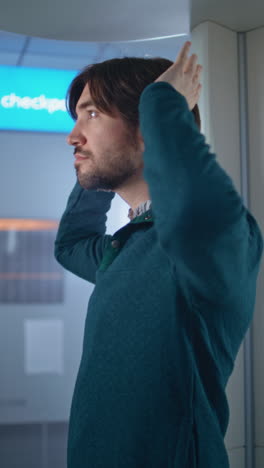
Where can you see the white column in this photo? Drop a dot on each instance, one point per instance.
(217, 49)
(255, 60)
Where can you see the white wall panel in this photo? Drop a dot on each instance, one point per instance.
(255, 58)
(216, 48)
(259, 457)
(235, 435)
(237, 458)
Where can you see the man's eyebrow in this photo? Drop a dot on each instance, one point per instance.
(85, 104)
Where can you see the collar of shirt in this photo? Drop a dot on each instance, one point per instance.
(145, 206)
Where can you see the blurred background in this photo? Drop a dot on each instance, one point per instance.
(43, 307)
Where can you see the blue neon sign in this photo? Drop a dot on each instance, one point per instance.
(33, 99)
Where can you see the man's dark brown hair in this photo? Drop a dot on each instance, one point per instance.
(116, 85)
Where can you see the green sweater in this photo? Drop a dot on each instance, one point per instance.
(174, 296)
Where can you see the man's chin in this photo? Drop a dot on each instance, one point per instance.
(86, 186)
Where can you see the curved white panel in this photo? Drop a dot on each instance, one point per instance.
(99, 20)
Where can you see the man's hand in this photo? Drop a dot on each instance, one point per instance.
(184, 76)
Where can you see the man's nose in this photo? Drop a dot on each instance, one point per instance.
(75, 138)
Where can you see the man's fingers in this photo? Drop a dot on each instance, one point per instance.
(191, 65)
(183, 55)
(198, 73)
(193, 62)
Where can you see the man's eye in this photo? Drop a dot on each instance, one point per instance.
(92, 113)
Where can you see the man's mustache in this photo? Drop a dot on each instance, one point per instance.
(83, 153)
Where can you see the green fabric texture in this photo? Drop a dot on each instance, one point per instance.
(174, 296)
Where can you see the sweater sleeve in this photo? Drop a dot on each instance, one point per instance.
(212, 241)
(81, 239)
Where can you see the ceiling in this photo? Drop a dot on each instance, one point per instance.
(119, 20)
(63, 34)
(96, 20)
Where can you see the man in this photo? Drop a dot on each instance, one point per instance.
(174, 288)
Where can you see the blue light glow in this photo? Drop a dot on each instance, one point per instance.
(33, 99)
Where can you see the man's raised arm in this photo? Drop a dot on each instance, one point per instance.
(81, 239)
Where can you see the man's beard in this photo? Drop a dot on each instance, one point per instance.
(117, 172)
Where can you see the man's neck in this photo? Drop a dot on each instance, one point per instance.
(135, 193)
